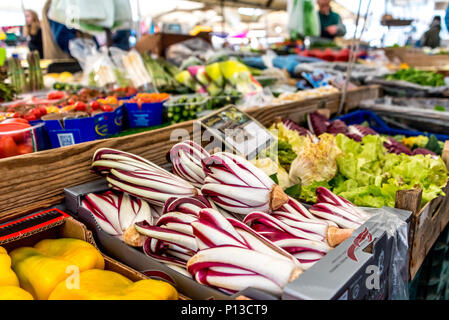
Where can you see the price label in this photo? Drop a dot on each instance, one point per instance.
(239, 132)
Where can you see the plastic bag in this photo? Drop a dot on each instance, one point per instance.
(98, 68)
(295, 16)
(397, 229)
(179, 52)
(256, 99)
(122, 76)
(311, 24)
(91, 16)
(135, 67)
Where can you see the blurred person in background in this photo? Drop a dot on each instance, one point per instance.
(33, 32)
(431, 38)
(331, 23)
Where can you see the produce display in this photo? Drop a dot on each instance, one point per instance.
(207, 220)
(365, 170)
(217, 218)
(40, 272)
(423, 78)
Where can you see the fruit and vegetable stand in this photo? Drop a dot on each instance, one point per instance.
(122, 159)
(43, 175)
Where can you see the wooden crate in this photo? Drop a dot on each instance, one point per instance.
(353, 97)
(294, 111)
(400, 53)
(426, 223)
(159, 42)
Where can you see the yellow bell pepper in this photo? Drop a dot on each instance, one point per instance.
(68, 108)
(52, 109)
(14, 293)
(108, 285)
(49, 262)
(7, 276)
(9, 283)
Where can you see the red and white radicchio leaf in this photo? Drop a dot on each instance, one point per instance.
(236, 185)
(139, 177)
(337, 209)
(117, 214)
(233, 257)
(186, 159)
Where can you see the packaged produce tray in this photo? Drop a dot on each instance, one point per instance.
(336, 276)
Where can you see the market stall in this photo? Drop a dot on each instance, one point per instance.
(181, 171)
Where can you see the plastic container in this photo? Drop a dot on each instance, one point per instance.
(184, 107)
(144, 115)
(66, 129)
(222, 101)
(378, 125)
(18, 138)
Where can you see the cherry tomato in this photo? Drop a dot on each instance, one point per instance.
(17, 115)
(107, 108)
(80, 106)
(8, 147)
(71, 101)
(24, 149)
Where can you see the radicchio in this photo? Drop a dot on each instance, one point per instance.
(394, 146)
(318, 123)
(337, 127)
(357, 132)
(291, 125)
(423, 151)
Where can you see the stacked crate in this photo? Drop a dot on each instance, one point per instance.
(432, 280)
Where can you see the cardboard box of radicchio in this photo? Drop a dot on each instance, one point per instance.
(55, 224)
(358, 268)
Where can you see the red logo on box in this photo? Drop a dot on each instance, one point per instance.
(365, 234)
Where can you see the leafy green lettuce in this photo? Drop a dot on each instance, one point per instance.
(369, 176)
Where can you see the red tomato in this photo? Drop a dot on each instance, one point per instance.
(95, 105)
(43, 111)
(107, 108)
(55, 95)
(24, 149)
(30, 117)
(8, 147)
(10, 130)
(17, 115)
(80, 106)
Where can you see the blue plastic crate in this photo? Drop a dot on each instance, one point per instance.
(147, 115)
(377, 124)
(41, 135)
(74, 131)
